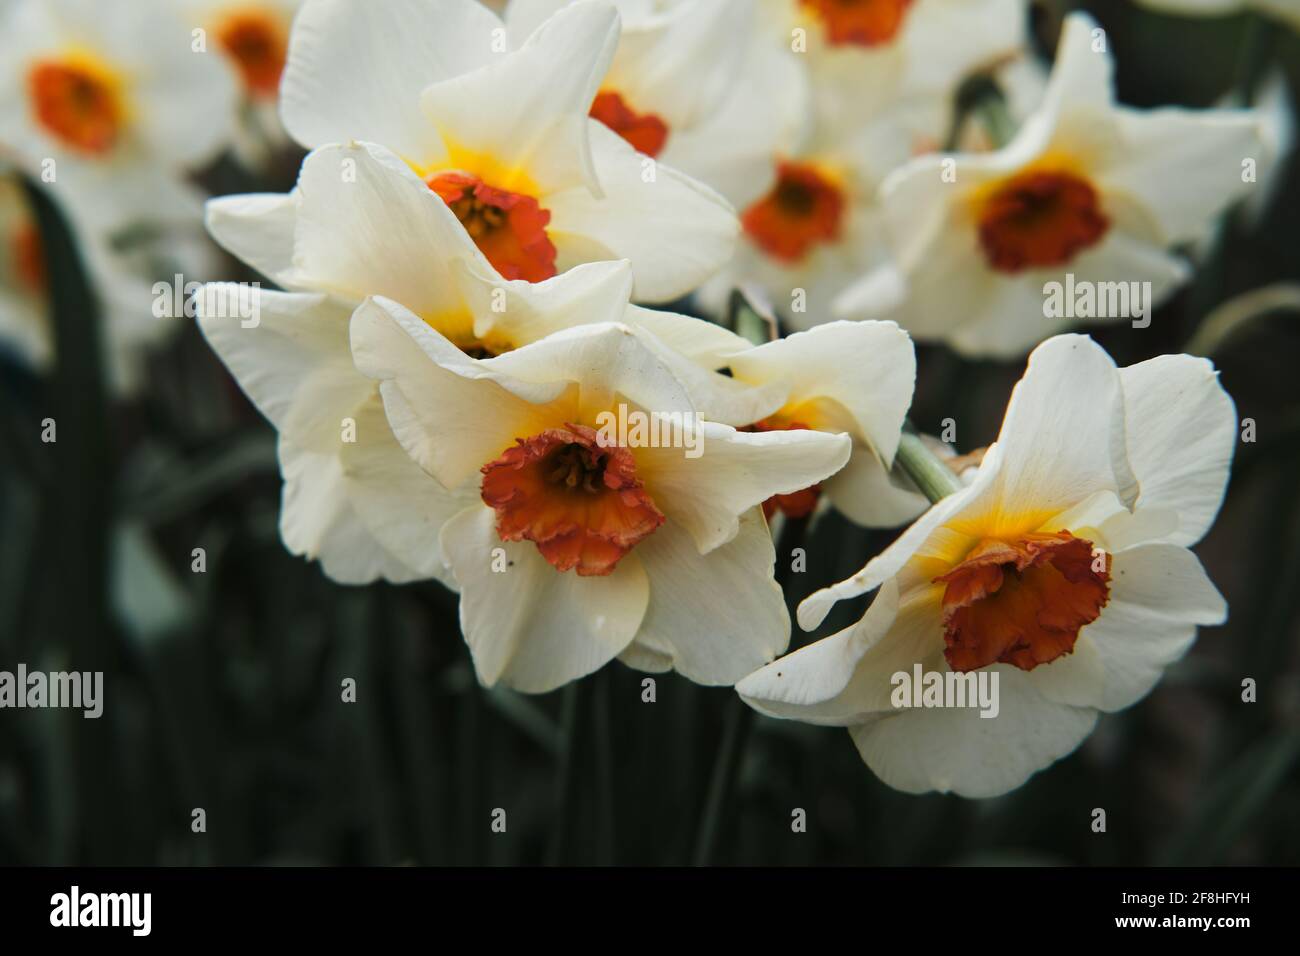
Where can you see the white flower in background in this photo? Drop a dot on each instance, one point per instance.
(865, 57)
(1287, 11)
(586, 542)
(503, 136)
(1063, 567)
(697, 85)
(122, 281)
(882, 77)
(352, 497)
(252, 36)
(120, 104)
(854, 378)
(1086, 188)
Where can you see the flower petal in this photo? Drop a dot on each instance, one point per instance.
(356, 70)
(1159, 594)
(1181, 438)
(530, 626)
(294, 364)
(676, 231)
(318, 521)
(734, 472)
(451, 413)
(707, 640)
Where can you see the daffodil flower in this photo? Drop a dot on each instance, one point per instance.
(503, 135)
(122, 282)
(110, 110)
(880, 80)
(854, 378)
(700, 86)
(1087, 193)
(588, 542)
(362, 223)
(252, 36)
(1062, 568)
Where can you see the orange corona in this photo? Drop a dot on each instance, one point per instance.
(77, 104)
(860, 22)
(1022, 602)
(258, 43)
(803, 209)
(645, 131)
(579, 501)
(1040, 218)
(509, 228)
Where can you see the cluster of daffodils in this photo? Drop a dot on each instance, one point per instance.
(465, 338)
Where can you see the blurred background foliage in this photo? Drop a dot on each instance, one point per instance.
(223, 687)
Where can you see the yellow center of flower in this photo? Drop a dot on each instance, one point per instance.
(257, 41)
(508, 227)
(865, 23)
(77, 100)
(1039, 218)
(578, 500)
(645, 131)
(1023, 601)
(805, 207)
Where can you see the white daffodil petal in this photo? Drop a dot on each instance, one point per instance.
(1056, 451)
(1159, 594)
(520, 312)
(867, 367)
(611, 362)
(705, 343)
(734, 472)
(1181, 438)
(294, 363)
(367, 225)
(676, 231)
(822, 682)
(1184, 166)
(528, 110)
(530, 626)
(451, 413)
(356, 70)
(402, 506)
(815, 607)
(712, 641)
(257, 228)
(318, 521)
(955, 750)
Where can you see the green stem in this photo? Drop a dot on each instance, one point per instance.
(926, 469)
(78, 511)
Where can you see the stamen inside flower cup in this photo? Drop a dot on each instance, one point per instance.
(805, 207)
(258, 43)
(1023, 601)
(578, 499)
(509, 227)
(860, 22)
(77, 100)
(1038, 218)
(646, 132)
